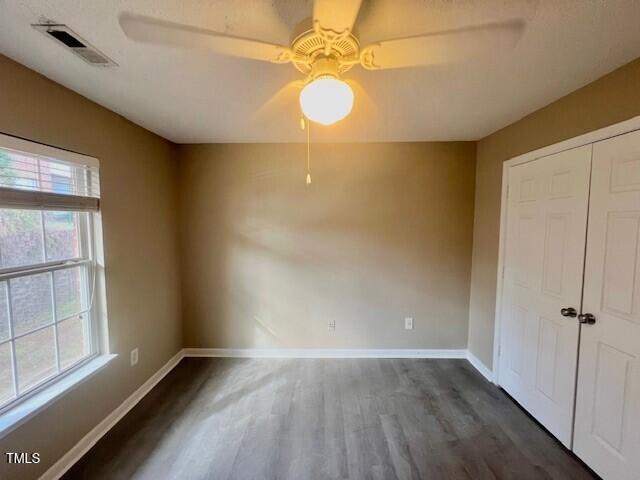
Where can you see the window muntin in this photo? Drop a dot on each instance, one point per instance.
(45, 305)
(47, 213)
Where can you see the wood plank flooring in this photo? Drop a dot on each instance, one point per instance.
(214, 418)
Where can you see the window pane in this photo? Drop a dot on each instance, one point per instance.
(68, 288)
(4, 312)
(6, 374)
(18, 171)
(73, 340)
(35, 358)
(31, 302)
(20, 238)
(61, 235)
(56, 177)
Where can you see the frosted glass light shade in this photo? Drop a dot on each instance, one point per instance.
(326, 100)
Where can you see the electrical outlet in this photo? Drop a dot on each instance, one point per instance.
(331, 325)
(134, 356)
(408, 323)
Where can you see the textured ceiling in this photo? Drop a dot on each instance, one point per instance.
(190, 96)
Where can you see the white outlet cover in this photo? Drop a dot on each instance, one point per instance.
(408, 323)
(134, 356)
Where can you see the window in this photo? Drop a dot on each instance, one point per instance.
(48, 321)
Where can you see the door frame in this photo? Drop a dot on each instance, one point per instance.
(594, 136)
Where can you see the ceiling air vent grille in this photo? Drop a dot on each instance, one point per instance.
(71, 40)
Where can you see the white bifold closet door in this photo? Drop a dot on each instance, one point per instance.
(544, 260)
(607, 427)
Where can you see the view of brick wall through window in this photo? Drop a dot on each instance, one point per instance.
(35, 302)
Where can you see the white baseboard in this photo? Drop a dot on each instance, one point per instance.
(322, 353)
(90, 439)
(481, 367)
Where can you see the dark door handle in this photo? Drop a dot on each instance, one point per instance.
(568, 312)
(587, 318)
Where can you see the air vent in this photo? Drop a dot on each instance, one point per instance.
(71, 40)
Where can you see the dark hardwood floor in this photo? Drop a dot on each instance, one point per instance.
(327, 419)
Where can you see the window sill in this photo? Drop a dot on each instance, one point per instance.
(16, 416)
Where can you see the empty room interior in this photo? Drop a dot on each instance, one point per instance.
(319, 239)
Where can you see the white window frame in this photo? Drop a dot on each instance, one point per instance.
(33, 399)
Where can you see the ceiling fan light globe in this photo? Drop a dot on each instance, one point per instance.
(326, 100)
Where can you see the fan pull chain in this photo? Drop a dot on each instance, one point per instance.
(304, 123)
(308, 153)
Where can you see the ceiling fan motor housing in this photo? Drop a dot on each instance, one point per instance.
(310, 56)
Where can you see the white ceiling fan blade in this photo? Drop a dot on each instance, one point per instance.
(335, 18)
(364, 106)
(284, 100)
(450, 46)
(160, 32)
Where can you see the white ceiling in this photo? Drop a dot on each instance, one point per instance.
(188, 96)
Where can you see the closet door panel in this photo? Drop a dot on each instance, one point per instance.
(607, 429)
(544, 258)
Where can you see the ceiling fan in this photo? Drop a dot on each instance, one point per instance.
(324, 47)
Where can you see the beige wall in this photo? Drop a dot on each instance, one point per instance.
(611, 99)
(140, 236)
(382, 233)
